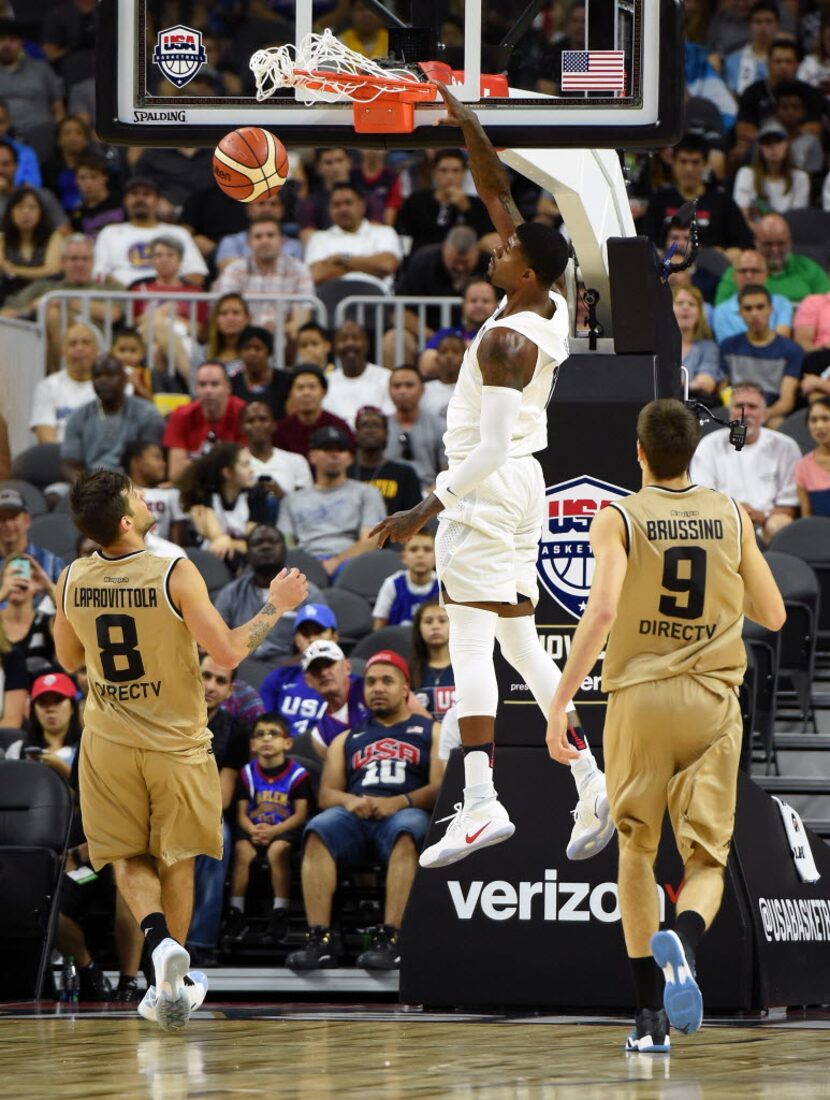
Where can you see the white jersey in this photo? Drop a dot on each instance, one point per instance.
(530, 432)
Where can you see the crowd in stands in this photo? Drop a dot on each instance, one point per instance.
(261, 437)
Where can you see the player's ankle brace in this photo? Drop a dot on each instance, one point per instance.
(472, 636)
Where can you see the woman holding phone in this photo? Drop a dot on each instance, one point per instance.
(27, 627)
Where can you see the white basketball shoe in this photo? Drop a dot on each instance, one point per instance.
(474, 825)
(593, 827)
(170, 965)
(196, 985)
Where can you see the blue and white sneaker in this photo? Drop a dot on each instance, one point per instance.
(681, 997)
(650, 1034)
(196, 984)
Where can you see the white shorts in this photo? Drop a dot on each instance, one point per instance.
(488, 542)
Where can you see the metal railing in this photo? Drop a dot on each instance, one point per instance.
(379, 314)
(125, 313)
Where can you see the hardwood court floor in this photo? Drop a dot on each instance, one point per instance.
(379, 1053)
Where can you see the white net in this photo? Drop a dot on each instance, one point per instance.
(289, 67)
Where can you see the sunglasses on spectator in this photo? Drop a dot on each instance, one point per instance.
(748, 270)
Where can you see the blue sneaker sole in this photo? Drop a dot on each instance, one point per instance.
(681, 997)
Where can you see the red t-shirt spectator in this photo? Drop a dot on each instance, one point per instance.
(182, 308)
(188, 427)
(292, 434)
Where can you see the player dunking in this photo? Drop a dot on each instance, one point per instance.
(149, 785)
(491, 503)
(677, 568)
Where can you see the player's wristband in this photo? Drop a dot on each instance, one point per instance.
(408, 798)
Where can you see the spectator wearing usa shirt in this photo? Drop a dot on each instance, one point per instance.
(329, 673)
(285, 691)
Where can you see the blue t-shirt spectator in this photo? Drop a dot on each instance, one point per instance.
(766, 365)
(285, 692)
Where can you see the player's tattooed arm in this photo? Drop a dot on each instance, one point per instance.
(506, 358)
(261, 627)
(489, 175)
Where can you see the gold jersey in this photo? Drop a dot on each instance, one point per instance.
(681, 607)
(145, 685)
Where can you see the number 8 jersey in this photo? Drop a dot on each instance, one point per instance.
(681, 611)
(145, 687)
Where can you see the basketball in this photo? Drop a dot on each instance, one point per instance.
(250, 164)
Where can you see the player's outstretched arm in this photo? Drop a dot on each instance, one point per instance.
(611, 564)
(763, 602)
(489, 175)
(229, 647)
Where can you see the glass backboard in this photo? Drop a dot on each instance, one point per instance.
(614, 81)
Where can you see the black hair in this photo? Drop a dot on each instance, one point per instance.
(272, 719)
(203, 477)
(784, 44)
(309, 368)
(11, 234)
(97, 502)
(407, 366)
(754, 288)
(6, 144)
(447, 154)
(419, 651)
(256, 332)
(315, 326)
(765, 5)
(545, 250)
(790, 88)
(134, 450)
(693, 143)
(344, 185)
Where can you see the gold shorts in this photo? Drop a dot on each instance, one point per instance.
(674, 744)
(143, 802)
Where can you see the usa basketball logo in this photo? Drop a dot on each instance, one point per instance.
(179, 54)
(565, 563)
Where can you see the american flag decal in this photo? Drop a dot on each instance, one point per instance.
(593, 70)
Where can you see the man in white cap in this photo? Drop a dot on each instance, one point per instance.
(329, 673)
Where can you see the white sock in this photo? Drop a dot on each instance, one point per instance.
(237, 903)
(280, 903)
(478, 777)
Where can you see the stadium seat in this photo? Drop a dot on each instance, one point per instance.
(35, 500)
(795, 426)
(332, 293)
(35, 815)
(365, 574)
(253, 671)
(214, 571)
(9, 737)
(41, 465)
(712, 259)
(810, 228)
(56, 532)
(299, 559)
(397, 638)
(799, 587)
(766, 648)
(354, 616)
(809, 539)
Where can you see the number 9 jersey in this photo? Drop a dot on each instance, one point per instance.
(145, 686)
(682, 604)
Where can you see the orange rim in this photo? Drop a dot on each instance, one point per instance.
(366, 86)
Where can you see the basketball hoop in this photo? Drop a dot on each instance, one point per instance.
(330, 72)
